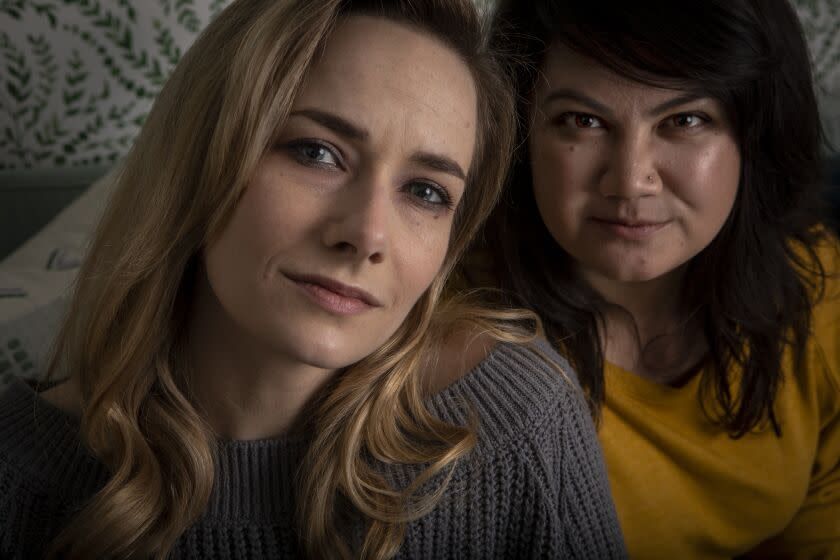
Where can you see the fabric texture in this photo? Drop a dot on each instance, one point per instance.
(534, 487)
(25, 342)
(36, 280)
(684, 489)
(44, 267)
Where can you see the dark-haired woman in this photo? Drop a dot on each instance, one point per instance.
(663, 220)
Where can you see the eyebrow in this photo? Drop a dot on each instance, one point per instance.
(439, 163)
(573, 95)
(352, 131)
(598, 107)
(339, 125)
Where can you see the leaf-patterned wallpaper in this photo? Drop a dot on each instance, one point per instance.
(821, 22)
(77, 77)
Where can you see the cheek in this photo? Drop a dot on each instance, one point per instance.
(562, 173)
(417, 262)
(710, 182)
(243, 257)
(272, 211)
(232, 250)
(273, 218)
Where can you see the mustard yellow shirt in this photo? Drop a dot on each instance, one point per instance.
(685, 490)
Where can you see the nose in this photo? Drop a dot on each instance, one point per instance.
(631, 168)
(359, 224)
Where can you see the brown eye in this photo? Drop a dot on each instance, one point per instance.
(687, 120)
(582, 120)
(573, 120)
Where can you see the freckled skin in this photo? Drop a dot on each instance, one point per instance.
(632, 163)
(354, 222)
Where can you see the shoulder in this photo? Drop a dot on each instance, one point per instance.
(820, 381)
(825, 331)
(828, 253)
(41, 449)
(19, 424)
(22, 499)
(537, 464)
(514, 389)
(822, 257)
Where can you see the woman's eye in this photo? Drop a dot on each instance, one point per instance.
(687, 120)
(430, 194)
(579, 120)
(582, 120)
(314, 153)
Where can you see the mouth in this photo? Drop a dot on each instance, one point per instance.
(630, 229)
(334, 296)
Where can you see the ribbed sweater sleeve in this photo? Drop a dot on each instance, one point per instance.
(536, 485)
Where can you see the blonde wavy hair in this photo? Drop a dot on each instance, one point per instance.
(124, 336)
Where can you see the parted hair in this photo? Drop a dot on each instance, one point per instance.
(754, 286)
(124, 335)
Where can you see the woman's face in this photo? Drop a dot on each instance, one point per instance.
(347, 219)
(631, 180)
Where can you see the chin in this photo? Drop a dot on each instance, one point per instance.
(620, 272)
(636, 277)
(335, 363)
(319, 360)
(312, 345)
(329, 354)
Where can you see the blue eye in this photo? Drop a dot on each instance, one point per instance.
(430, 194)
(312, 153)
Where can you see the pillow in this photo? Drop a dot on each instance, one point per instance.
(44, 266)
(26, 341)
(36, 280)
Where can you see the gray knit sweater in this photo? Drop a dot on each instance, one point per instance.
(534, 487)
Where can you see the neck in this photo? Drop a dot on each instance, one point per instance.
(648, 329)
(246, 389)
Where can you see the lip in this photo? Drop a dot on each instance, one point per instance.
(334, 296)
(631, 230)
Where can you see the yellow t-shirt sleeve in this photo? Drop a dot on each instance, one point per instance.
(814, 531)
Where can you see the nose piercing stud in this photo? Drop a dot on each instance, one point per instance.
(650, 178)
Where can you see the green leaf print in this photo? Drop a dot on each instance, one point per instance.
(12, 8)
(187, 16)
(48, 11)
(217, 6)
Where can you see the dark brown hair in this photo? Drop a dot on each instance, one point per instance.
(754, 286)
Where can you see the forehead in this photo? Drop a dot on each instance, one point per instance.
(390, 78)
(565, 68)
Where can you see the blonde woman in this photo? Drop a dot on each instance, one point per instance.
(251, 347)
